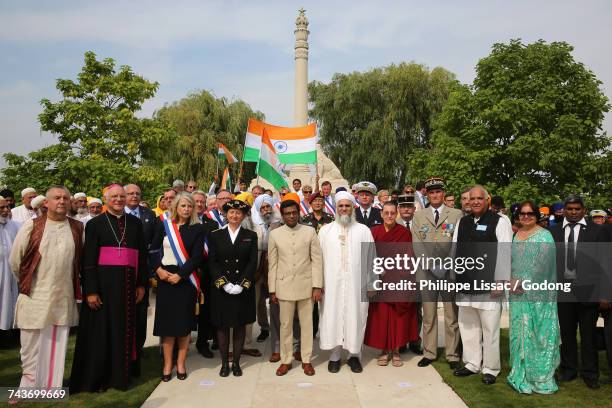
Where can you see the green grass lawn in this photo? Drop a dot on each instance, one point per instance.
(141, 388)
(500, 395)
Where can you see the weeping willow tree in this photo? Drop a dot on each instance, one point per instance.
(199, 122)
(372, 123)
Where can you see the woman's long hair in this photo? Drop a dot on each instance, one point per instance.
(174, 214)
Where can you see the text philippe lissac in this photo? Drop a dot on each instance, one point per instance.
(405, 263)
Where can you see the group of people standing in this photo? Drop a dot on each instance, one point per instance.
(216, 258)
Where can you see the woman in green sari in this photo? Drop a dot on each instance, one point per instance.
(534, 326)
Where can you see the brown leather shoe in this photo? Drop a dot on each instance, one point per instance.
(275, 358)
(283, 369)
(253, 352)
(308, 369)
(297, 356)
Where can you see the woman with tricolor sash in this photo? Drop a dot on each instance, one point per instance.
(180, 236)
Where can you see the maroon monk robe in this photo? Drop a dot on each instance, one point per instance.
(392, 324)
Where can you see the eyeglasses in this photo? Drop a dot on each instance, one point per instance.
(527, 214)
(409, 191)
(307, 192)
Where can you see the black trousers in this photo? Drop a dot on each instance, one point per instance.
(581, 316)
(607, 316)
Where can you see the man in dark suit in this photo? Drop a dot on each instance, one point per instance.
(205, 329)
(149, 221)
(365, 213)
(578, 264)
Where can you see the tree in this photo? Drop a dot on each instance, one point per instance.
(372, 123)
(199, 122)
(530, 126)
(100, 138)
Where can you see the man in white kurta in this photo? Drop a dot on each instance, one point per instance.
(45, 315)
(8, 284)
(25, 211)
(343, 314)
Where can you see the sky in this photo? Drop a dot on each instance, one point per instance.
(245, 49)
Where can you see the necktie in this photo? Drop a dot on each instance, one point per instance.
(570, 260)
(365, 214)
(436, 217)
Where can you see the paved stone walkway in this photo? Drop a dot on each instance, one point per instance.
(259, 386)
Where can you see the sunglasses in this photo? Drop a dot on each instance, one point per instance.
(527, 214)
(307, 192)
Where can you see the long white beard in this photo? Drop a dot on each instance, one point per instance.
(3, 220)
(346, 220)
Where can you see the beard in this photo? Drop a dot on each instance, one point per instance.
(266, 218)
(82, 211)
(3, 220)
(346, 220)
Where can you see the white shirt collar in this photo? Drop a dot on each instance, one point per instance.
(582, 221)
(234, 234)
(129, 211)
(440, 209)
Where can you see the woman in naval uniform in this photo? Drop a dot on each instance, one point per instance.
(232, 264)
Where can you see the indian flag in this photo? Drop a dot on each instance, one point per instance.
(293, 145)
(225, 153)
(226, 181)
(269, 167)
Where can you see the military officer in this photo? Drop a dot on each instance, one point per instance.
(365, 213)
(232, 263)
(432, 233)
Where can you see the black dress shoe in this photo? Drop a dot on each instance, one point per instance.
(402, 350)
(205, 351)
(454, 365)
(355, 364)
(225, 369)
(424, 362)
(488, 379)
(416, 349)
(181, 376)
(333, 366)
(592, 383)
(567, 377)
(263, 336)
(463, 372)
(214, 346)
(236, 370)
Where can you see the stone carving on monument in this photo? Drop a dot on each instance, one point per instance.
(326, 169)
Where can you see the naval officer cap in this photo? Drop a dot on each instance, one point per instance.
(365, 186)
(236, 205)
(598, 213)
(434, 183)
(405, 199)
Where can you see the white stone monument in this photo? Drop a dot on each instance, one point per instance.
(326, 169)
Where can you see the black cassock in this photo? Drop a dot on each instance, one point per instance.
(235, 263)
(105, 349)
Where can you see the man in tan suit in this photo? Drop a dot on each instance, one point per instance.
(295, 279)
(432, 235)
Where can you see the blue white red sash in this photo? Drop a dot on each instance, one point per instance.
(304, 209)
(205, 247)
(330, 208)
(165, 215)
(216, 215)
(178, 248)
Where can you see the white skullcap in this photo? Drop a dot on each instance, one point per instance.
(80, 195)
(343, 195)
(259, 201)
(37, 201)
(27, 190)
(94, 200)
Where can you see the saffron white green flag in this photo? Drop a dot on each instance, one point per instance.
(269, 166)
(292, 145)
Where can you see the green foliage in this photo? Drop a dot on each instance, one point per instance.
(100, 139)
(530, 126)
(372, 123)
(198, 123)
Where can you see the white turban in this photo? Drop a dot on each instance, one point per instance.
(261, 199)
(344, 195)
(27, 190)
(37, 201)
(80, 195)
(94, 200)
